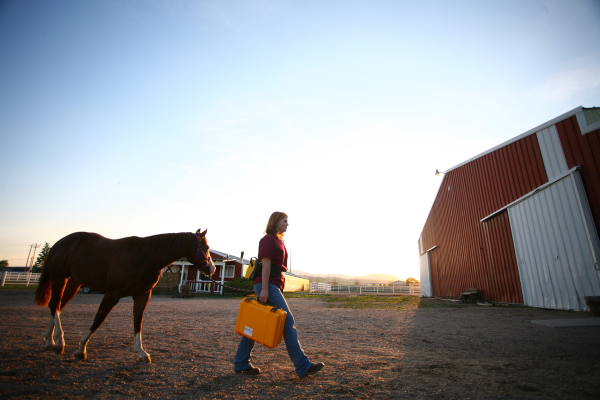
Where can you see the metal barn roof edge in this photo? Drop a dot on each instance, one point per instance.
(538, 128)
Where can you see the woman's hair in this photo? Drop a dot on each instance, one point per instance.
(274, 219)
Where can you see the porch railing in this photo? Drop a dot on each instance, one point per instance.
(203, 287)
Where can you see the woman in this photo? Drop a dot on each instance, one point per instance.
(269, 286)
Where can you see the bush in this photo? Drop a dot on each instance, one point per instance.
(241, 283)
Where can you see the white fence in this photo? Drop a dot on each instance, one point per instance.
(319, 288)
(372, 288)
(19, 278)
(203, 287)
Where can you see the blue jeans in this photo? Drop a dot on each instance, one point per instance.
(290, 337)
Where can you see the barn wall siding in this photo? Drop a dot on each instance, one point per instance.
(500, 259)
(552, 152)
(583, 150)
(467, 195)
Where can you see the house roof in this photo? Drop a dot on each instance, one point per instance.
(231, 257)
(297, 276)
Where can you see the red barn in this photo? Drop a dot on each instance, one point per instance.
(519, 221)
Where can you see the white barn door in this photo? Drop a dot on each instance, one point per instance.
(425, 269)
(556, 245)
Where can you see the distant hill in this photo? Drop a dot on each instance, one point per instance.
(341, 278)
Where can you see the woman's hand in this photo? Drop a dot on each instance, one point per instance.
(266, 274)
(264, 295)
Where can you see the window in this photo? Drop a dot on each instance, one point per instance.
(588, 119)
(229, 271)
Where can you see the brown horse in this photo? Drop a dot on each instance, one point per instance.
(124, 267)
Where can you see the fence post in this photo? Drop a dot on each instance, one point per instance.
(4, 273)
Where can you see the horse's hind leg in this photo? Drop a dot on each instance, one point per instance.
(107, 304)
(70, 291)
(54, 333)
(140, 301)
(48, 335)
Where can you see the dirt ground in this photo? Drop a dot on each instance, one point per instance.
(424, 350)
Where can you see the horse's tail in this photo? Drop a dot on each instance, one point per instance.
(44, 289)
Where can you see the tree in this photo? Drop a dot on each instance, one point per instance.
(3, 263)
(411, 280)
(39, 263)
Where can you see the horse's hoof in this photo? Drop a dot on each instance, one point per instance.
(146, 359)
(59, 350)
(81, 356)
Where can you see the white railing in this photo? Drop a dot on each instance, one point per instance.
(370, 288)
(319, 288)
(203, 287)
(19, 278)
(379, 288)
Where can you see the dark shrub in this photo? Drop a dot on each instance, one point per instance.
(241, 283)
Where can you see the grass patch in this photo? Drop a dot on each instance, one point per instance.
(19, 287)
(373, 302)
(388, 302)
(300, 295)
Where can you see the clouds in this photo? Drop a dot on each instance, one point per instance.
(193, 170)
(578, 83)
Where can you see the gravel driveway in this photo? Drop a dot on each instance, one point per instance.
(423, 351)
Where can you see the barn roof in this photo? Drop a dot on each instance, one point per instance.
(588, 118)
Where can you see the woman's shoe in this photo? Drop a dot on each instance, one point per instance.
(250, 371)
(313, 369)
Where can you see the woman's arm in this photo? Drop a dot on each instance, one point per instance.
(266, 274)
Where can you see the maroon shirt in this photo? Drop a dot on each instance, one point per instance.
(273, 249)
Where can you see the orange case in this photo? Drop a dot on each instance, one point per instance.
(260, 322)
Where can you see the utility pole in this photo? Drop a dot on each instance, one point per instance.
(32, 257)
(28, 254)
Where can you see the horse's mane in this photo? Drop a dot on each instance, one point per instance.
(153, 249)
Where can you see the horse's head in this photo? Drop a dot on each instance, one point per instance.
(203, 258)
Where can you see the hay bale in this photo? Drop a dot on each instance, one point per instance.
(185, 291)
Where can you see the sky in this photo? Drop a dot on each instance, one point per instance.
(135, 118)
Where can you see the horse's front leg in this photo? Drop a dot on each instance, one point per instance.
(140, 301)
(107, 304)
(81, 352)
